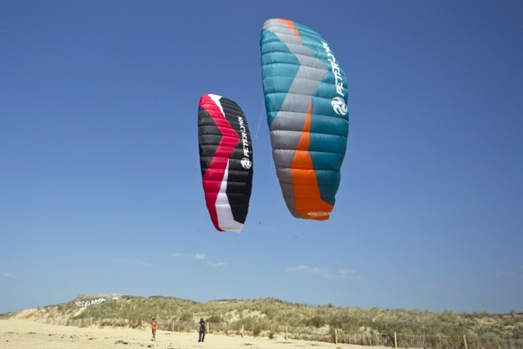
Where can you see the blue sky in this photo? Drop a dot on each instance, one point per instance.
(100, 181)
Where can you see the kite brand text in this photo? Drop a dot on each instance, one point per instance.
(245, 140)
(335, 69)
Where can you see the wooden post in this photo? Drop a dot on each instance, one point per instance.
(395, 341)
(286, 330)
(242, 332)
(335, 336)
(465, 340)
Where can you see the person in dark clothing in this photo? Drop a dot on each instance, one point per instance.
(201, 337)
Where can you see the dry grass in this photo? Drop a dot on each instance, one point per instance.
(269, 316)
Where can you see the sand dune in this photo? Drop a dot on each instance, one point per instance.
(27, 334)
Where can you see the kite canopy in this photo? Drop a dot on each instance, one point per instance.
(306, 102)
(226, 161)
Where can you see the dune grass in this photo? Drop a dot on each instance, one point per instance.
(272, 314)
(271, 317)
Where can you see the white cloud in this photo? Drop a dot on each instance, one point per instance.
(135, 262)
(199, 256)
(216, 265)
(342, 273)
(346, 271)
(511, 274)
(351, 277)
(187, 255)
(298, 268)
(305, 269)
(349, 274)
(435, 287)
(7, 275)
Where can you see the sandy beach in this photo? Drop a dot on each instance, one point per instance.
(28, 334)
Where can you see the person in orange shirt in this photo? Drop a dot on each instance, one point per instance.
(153, 327)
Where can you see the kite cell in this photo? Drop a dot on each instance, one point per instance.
(226, 161)
(306, 102)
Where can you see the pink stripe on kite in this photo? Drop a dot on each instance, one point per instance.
(214, 176)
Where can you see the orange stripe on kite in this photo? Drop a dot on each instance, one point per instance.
(290, 24)
(307, 198)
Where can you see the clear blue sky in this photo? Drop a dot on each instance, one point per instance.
(100, 181)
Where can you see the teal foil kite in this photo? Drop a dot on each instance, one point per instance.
(306, 103)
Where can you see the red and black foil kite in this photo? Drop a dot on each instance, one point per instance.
(226, 161)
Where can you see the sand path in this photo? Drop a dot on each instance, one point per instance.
(27, 334)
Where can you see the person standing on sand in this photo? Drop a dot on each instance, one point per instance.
(201, 337)
(153, 327)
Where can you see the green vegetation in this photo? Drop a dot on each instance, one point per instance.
(272, 317)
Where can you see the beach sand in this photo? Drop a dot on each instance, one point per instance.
(28, 334)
